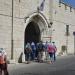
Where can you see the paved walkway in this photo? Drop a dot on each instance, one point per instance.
(19, 65)
(64, 65)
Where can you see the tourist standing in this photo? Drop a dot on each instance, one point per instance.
(3, 62)
(55, 49)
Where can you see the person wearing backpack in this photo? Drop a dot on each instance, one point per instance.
(3, 62)
(27, 52)
(46, 50)
(55, 49)
(51, 52)
(40, 51)
(33, 53)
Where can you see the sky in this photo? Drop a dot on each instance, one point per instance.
(70, 2)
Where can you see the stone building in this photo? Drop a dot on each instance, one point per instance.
(23, 21)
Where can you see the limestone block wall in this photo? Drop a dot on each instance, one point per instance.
(5, 26)
(24, 8)
(62, 16)
(21, 9)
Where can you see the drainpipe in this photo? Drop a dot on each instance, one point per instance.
(12, 34)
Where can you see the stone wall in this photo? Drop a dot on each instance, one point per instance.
(62, 16)
(24, 8)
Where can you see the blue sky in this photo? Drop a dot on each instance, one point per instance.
(70, 2)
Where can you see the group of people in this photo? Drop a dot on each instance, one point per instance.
(40, 51)
(33, 52)
(3, 62)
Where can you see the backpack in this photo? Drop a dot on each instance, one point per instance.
(1, 58)
(27, 50)
(40, 47)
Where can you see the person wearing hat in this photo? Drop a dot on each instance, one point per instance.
(3, 62)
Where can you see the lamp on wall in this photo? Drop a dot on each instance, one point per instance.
(50, 25)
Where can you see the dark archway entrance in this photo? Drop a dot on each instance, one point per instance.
(32, 33)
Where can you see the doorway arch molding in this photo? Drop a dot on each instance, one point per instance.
(42, 17)
(39, 19)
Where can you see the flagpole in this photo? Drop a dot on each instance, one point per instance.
(41, 6)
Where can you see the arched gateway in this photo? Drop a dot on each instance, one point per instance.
(35, 28)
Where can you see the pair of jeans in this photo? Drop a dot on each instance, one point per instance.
(51, 56)
(27, 56)
(54, 56)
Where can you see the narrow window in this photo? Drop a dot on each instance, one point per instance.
(70, 9)
(59, 3)
(67, 30)
(65, 7)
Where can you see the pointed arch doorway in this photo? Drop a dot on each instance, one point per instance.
(35, 28)
(32, 32)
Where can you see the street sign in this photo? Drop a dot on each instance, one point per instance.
(74, 33)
